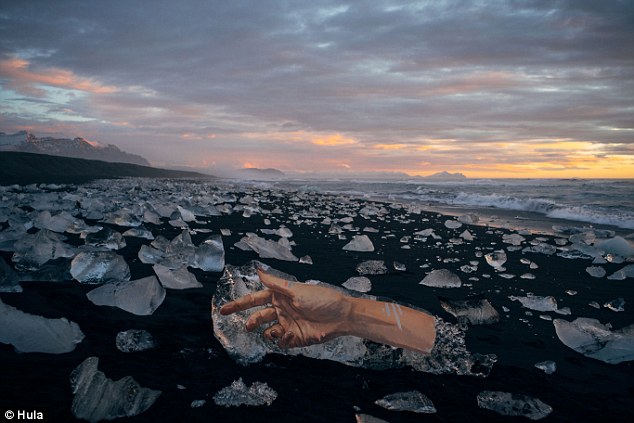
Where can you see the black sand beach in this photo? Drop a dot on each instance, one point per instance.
(190, 364)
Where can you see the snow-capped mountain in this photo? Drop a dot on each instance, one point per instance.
(77, 147)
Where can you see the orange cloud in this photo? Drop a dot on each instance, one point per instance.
(334, 140)
(22, 78)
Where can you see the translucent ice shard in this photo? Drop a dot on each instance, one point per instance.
(617, 304)
(358, 283)
(593, 339)
(372, 267)
(537, 303)
(452, 224)
(616, 245)
(210, 255)
(9, 281)
(407, 401)
(123, 217)
(508, 404)
(361, 243)
(596, 271)
(238, 394)
(176, 278)
(496, 259)
(475, 310)
(106, 238)
(548, 367)
(32, 251)
(139, 232)
(141, 297)
(134, 340)
(449, 354)
(268, 249)
(442, 278)
(32, 333)
(93, 267)
(513, 239)
(469, 218)
(98, 398)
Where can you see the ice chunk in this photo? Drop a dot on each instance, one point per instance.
(123, 217)
(176, 279)
(358, 283)
(141, 297)
(466, 235)
(238, 394)
(541, 248)
(496, 259)
(366, 418)
(617, 304)
(9, 281)
(306, 260)
(548, 367)
(442, 278)
(149, 255)
(596, 271)
(361, 243)
(268, 249)
(198, 403)
(452, 224)
(407, 401)
(106, 238)
(32, 251)
(93, 267)
(508, 404)
(210, 255)
(399, 266)
(475, 310)
(593, 339)
(186, 215)
(99, 398)
(513, 239)
(537, 303)
(139, 232)
(371, 267)
(58, 223)
(617, 245)
(134, 340)
(448, 356)
(469, 218)
(32, 333)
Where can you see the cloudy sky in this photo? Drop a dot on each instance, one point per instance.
(486, 88)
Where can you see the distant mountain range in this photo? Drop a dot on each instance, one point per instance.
(26, 142)
(28, 168)
(446, 176)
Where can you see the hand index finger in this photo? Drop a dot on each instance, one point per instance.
(251, 300)
(275, 283)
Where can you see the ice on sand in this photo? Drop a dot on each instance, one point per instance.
(33, 251)
(407, 401)
(358, 283)
(176, 279)
(537, 303)
(593, 339)
(442, 278)
(596, 271)
(106, 238)
(616, 245)
(371, 267)
(548, 367)
(98, 398)
(141, 297)
(210, 255)
(238, 394)
(93, 267)
(134, 340)
(476, 310)
(496, 259)
(361, 243)
(32, 333)
(508, 404)
(448, 356)
(266, 248)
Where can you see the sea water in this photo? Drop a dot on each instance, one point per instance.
(593, 201)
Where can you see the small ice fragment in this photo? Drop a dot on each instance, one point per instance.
(617, 304)
(198, 403)
(176, 278)
(92, 267)
(508, 404)
(238, 394)
(564, 311)
(476, 310)
(361, 243)
(452, 224)
(306, 260)
(496, 259)
(268, 249)
(185, 214)
(141, 297)
(466, 235)
(441, 278)
(139, 232)
(595, 340)
(358, 283)
(407, 401)
(210, 255)
(225, 232)
(106, 238)
(32, 333)
(594, 304)
(399, 266)
(571, 292)
(134, 340)
(98, 398)
(537, 303)
(596, 271)
(541, 248)
(469, 218)
(548, 367)
(33, 251)
(616, 245)
(513, 239)
(372, 267)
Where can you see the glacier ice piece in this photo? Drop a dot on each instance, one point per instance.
(149, 255)
(33, 251)
(617, 245)
(123, 217)
(496, 259)
(210, 255)
(237, 394)
(549, 366)
(98, 398)
(537, 303)
(268, 249)
(466, 235)
(32, 333)
(596, 271)
(469, 218)
(513, 239)
(176, 278)
(134, 340)
(541, 248)
(595, 340)
(139, 232)
(366, 418)
(509, 404)
(94, 267)
(9, 281)
(198, 403)
(475, 310)
(407, 401)
(372, 267)
(361, 243)
(57, 223)
(306, 260)
(106, 238)
(358, 283)
(617, 304)
(452, 224)
(449, 354)
(442, 278)
(141, 297)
